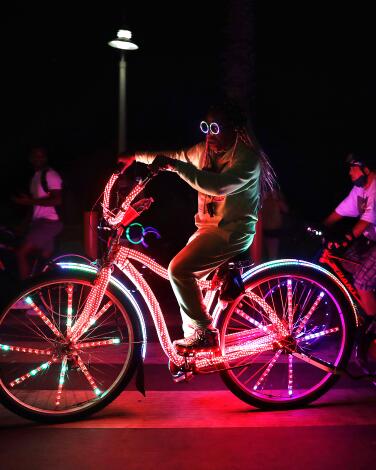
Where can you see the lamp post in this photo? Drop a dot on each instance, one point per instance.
(123, 43)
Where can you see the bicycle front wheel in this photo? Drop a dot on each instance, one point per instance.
(49, 372)
(299, 322)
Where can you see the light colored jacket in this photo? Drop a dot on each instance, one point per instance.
(227, 184)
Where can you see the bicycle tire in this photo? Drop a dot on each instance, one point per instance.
(37, 405)
(257, 389)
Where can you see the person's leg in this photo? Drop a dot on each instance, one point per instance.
(368, 301)
(23, 254)
(205, 251)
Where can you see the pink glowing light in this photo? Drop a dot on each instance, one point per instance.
(43, 317)
(25, 349)
(304, 321)
(289, 304)
(266, 372)
(69, 310)
(32, 372)
(269, 311)
(63, 371)
(318, 334)
(92, 303)
(88, 376)
(94, 344)
(290, 382)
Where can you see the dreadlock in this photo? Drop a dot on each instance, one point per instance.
(237, 118)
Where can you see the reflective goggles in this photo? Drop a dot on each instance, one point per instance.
(213, 127)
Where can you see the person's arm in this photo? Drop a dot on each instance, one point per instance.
(191, 155)
(360, 227)
(245, 168)
(53, 199)
(333, 218)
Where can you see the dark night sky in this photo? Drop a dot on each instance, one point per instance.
(314, 97)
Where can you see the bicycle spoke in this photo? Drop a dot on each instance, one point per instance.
(261, 380)
(290, 378)
(26, 349)
(63, 371)
(289, 304)
(305, 319)
(41, 315)
(32, 372)
(318, 334)
(88, 376)
(95, 344)
(69, 310)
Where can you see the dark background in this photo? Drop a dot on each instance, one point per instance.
(305, 70)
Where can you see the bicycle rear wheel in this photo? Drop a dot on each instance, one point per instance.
(48, 374)
(293, 368)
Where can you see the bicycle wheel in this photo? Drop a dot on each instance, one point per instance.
(48, 374)
(299, 325)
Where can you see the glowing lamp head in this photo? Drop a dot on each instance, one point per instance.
(123, 41)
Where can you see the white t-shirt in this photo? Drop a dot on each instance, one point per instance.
(53, 182)
(361, 203)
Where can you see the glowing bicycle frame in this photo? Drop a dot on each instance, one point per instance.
(263, 333)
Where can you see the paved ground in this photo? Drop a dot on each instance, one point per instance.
(200, 425)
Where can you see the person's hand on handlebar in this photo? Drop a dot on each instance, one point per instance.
(342, 243)
(161, 162)
(125, 160)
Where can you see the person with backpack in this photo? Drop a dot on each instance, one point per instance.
(46, 196)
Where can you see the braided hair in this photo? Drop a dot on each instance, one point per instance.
(244, 130)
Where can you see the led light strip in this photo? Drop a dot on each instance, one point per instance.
(157, 315)
(304, 321)
(41, 315)
(92, 303)
(290, 382)
(267, 370)
(63, 370)
(23, 349)
(115, 282)
(318, 334)
(32, 372)
(270, 312)
(69, 309)
(252, 320)
(289, 304)
(94, 344)
(88, 376)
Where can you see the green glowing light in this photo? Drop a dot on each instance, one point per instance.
(29, 300)
(33, 372)
(5, 347)
(116, 341)
(97, 391)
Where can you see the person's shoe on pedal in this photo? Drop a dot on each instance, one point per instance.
(203, 339)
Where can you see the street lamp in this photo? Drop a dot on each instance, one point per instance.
(123, 43)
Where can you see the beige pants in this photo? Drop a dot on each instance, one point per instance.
(206, 250)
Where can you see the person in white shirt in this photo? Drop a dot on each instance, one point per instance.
(360, 243)
(46, 194)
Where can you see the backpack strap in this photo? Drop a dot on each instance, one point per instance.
(43, 180)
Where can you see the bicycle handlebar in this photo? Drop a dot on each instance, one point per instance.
(120, 217)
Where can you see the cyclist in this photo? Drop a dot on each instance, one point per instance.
(228, 170)
(359, 244)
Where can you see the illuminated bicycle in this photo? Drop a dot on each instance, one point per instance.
(283, 338)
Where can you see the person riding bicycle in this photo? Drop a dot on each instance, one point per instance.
(228, 170)
(46, 194)
(359, 245)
